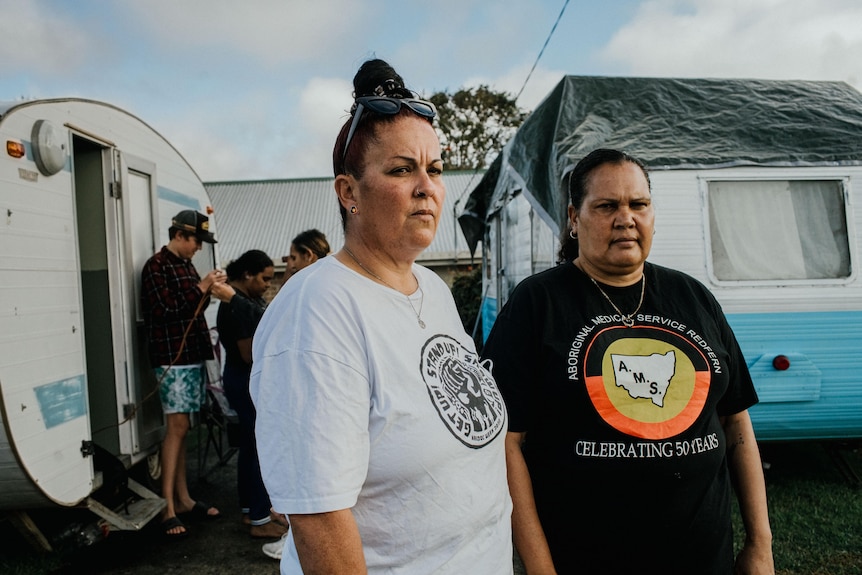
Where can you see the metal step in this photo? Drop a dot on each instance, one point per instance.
(142, 506)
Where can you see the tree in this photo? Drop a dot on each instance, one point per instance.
(467, 293)
(474, 125)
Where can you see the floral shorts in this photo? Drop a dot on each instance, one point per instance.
(182, 388)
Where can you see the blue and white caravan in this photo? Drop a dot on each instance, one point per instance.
(758, 193)
(86, 194)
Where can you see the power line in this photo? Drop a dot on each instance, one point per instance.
(542, 51)
(527, 79)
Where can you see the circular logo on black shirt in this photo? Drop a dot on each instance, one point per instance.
(645, 381)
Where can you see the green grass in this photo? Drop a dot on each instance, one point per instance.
(815, 512)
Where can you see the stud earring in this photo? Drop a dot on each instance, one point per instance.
(353, 209)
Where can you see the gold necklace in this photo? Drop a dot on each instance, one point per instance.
(627, 319)
(390, 286)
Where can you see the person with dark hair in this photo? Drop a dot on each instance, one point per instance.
(173, 299)
(305, 249)
(628, 400)
(242, 306)
(380, 433)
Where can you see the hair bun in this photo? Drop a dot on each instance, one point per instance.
(377, 78)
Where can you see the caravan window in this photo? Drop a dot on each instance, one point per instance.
(778, 230)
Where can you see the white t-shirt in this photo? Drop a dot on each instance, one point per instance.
(359, 407)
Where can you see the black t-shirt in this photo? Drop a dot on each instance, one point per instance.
(623, 440)
(238, 320)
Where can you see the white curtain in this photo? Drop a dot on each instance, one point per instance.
(772, 230)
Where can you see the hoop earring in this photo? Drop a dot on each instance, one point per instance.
(353, 209)
(573, 235)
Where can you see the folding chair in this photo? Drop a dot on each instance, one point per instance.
(218, 418)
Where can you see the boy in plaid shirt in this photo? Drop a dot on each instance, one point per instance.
(173, 297)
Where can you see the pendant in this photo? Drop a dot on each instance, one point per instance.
(421, 323)
(628, 321)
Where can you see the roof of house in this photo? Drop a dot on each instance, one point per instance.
(268, 214)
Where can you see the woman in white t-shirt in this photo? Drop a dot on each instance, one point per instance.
(380, 434)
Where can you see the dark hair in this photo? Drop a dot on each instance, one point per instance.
(251, 262)
(172, 232)
(374, 78)
(578, 180)
(312, 241)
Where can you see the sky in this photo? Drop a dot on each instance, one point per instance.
(258, 89)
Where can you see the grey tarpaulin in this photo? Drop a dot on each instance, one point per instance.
(669, 123)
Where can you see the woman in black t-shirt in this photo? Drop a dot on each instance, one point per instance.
(242, 306)
(627, 396)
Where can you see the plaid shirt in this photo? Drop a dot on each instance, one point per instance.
(169, 298)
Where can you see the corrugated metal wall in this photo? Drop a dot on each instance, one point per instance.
(267, 214)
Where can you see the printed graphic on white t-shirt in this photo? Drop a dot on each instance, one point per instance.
(464, 393)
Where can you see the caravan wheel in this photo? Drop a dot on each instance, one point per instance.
(148, 472)
(154, 465)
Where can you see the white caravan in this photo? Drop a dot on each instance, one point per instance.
(87, 192)
(757, 186)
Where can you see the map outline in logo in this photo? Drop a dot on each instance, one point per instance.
(625, 407)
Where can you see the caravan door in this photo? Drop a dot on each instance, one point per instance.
(114, 199)
(136, 215)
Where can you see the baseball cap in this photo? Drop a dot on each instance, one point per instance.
(196, 223)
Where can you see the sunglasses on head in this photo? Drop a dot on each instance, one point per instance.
(388, 107)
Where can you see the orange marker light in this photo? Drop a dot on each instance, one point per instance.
(15, 149)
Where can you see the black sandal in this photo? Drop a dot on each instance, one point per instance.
(172, 523)
(200, 510)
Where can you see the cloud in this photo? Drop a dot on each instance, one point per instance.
(323, 108)
(771, 39)
(262, 139)
(469, 38)
(259, 89)
(272, 32)
(224, 139)
(38, 39)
